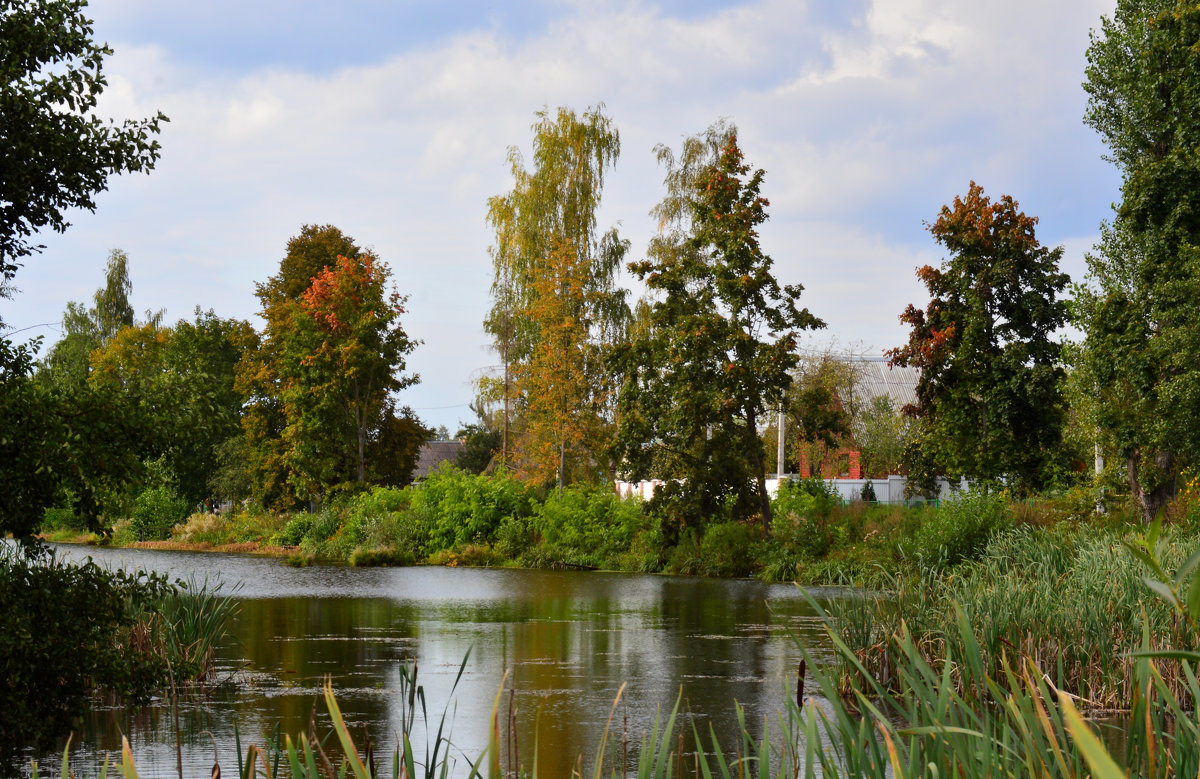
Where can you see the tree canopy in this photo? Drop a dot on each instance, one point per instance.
(1141, 307)
(321, 382)
(556, 308)
(57, 153)
(989, 401)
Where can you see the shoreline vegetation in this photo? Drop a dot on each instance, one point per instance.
(458, 518)
(1050, 581)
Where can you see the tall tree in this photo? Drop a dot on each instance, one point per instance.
(546, 226)
(57, 153)
(989, 401)
(259, 376)
(719, 347)
(1140, 310)
(86, 329)
(558, 413)
(354, 360)
(321, 382)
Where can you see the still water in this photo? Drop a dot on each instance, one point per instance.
(566, 640)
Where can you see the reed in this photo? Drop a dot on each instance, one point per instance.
(1073, 602)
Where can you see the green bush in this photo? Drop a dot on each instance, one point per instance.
(378, 502)
(686, 558)
(63, 629)
(647, 553)
(727, 549)
(803, 536)
(776, 564)
(62, 518)
(295, 530)
(812, 498)
(463, 509)
(959, 528)
(405, 532)
(156, 510)
(516, 538)
(588, 525)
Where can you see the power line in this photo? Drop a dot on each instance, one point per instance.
(43, 324)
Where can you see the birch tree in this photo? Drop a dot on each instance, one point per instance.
(546, 233)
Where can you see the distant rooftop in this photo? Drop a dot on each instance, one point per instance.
(875, 378)
(432, 454)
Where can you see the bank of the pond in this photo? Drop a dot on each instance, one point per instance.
(455, 518)
(1000, 608)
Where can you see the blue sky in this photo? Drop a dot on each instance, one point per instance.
(391, 120)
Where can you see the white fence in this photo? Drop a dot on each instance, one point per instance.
(888, 490)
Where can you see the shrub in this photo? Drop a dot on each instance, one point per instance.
(588, 525)
(686, 558)
(201, 528)
(726, 549)
(378, 502)
(64, 628)
(466, 509)
(156, 510)
(62, 518)
(515, 538)
(959, 528)
(804, 536)
(295, 530)
(647, 552)
(812, 498)
(406, 532)
(776, 563)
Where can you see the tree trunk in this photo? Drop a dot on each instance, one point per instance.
(760, 475)
(562, 465)
(1154, 500)
(362, 445)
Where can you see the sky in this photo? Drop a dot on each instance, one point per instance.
(391, 119)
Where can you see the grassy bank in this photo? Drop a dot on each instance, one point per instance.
(455, 518)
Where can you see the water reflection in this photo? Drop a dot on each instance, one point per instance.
(568, 641)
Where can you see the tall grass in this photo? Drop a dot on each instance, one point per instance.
(1074, 604)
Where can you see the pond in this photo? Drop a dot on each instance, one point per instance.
(567, 641)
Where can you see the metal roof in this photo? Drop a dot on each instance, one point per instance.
(876, 378)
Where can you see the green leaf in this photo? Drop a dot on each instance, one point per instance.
(1099, 761)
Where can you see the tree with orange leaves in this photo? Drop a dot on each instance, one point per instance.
(989, 402)
(561, 414)
(356, 352)
(321, 415)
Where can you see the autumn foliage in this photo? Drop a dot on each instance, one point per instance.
(989, 402)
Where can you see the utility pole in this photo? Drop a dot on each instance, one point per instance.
(779, 460)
